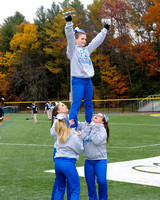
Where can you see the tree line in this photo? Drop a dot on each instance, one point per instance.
(33, 61)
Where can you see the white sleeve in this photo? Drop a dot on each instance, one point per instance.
(97, 41)
(70, 39)
(86, 130)
(98, 135)
(81, 125)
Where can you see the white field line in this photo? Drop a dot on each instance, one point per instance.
(123, 124)
(37, 145)
(136, 147)
(45, 145)
(134, 124)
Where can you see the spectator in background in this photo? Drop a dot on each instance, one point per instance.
(48, 110)
(34, 110)
(30, 107)
(1, 111)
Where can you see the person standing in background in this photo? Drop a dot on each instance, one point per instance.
(30, 107)
(48, 110)
(1, 111)
(34, 110)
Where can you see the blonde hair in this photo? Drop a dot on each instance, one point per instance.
(62, 130)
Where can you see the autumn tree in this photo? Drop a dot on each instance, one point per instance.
(152, 19)
(44, 17)
(26, 65)
(137, 24)
(8, 29)
(118, 85)
(146, 57)
(117, 12)
(94, 16)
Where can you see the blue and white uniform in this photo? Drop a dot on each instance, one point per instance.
(48, 110)
(95, 153)
(35, 109)
(1, 112)
(47, 106)
(65, 158)
(52, 131)
(81, 71)
(1, 115)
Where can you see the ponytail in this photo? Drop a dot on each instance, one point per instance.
(62, 130)
(54, 113)
(106, 125)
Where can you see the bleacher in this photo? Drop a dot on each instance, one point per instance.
(11, 109)
(150, 104)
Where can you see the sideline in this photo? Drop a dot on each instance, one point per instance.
(6, 124)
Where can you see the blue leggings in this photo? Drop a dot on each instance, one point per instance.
(66, 170)
(96, 169)
(82, 89)
(55, 183)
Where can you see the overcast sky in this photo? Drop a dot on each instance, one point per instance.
(27, 8)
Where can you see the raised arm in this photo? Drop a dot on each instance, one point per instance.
(70, 36)
(97, 41)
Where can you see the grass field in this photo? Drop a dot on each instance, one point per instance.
(26, 152)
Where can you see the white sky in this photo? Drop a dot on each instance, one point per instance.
(27, 8)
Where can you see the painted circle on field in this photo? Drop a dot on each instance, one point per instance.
(154, 169)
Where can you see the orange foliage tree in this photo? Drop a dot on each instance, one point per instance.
(118, 83)
(152, 17)
(146, 57)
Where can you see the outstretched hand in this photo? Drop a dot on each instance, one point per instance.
(68, 18)
(107, 26)
(71, 122)
(79, 133)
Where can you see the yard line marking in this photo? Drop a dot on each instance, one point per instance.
(47, 145)
(131, 124)
(151, 145)
(128, 124)
(6, 124)
(31, 120)
(38, 145)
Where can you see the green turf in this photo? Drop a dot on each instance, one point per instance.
(22, 167)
